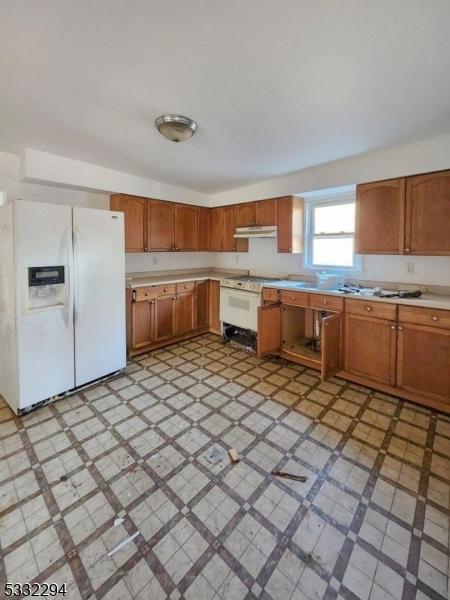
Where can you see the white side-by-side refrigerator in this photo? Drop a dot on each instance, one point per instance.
(62, 299)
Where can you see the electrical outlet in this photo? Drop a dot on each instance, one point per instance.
(154, 260)
(409, 268)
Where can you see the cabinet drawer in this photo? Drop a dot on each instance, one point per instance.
(187, 286)
(322, 301)
(165, 290)
(144, 294)
(424, 316)
(295, 298)
(269, 295)
(380, 310)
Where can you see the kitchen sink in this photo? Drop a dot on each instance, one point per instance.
(297, 284)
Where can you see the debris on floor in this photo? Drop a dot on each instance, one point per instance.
(289, 476)
(118, 521)
(234, 455)
(121, 544)
(214, 455)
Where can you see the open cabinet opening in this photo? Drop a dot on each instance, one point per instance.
(301, 332)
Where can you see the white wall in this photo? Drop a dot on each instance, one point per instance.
(42, 167)
(409, 159)
(139, 262)
(11, 188)
(262, 259)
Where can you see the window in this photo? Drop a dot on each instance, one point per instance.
(330, 235)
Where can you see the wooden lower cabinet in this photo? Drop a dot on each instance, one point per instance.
(370, 348)
(184, 313)
(423, 361)
(201, 304)
(286, 330)
(214, 307)
(164, 317)
(142, 323)
(160, 315)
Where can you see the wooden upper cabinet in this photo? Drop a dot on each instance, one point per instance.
(229, 228)
(290, 224)
(186, 227)
(160, 225)
(262, 212)
(423, 359)
(380, 215)
(427, 228)
(203, 229)
(230, 243)
(266, 212)
(245, 214)
(134, 209)
(216, 229)
(370, 348)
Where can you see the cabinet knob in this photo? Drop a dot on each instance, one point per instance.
(392, 326)
(185, 287)
(368, 308)
(290, 249)
(407, 249)
(165, 289)
(324, 301)
(400, 328)
(434, 318)
(292, 297)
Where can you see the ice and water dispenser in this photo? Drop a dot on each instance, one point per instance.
(47, 288)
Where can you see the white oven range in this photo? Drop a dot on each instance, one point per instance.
(239, 300)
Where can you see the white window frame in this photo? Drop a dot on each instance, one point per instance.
(310, 204)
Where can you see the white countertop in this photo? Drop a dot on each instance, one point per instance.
(426, 300)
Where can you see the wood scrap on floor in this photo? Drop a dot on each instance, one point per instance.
(286, 475)
(234, 455)
(121, 544)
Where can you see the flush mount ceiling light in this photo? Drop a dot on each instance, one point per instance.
(176, 128)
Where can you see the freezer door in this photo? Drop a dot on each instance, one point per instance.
(99, 260)
(43, 238)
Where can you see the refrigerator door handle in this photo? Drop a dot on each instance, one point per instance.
(76, 311)
(68, 308)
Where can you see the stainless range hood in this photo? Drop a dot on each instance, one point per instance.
(257, 231)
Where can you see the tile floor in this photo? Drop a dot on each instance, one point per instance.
(370, 522)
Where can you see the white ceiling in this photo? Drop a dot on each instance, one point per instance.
(275, 86)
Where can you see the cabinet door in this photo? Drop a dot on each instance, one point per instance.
(423, 360)
(142, 323)
(290, 224)
(370, 348)
(160, 225)
(216, 229)
(186, 224)
(266, 212)
(203, 229)
(269, 330)
(230, 243)
(332, 336)
(184, 313)
(214, 307)
(245, 214)
(164, 317)
(380, 217)
(427, 229)
(229, 229)
(201, 304)
(134, 210)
